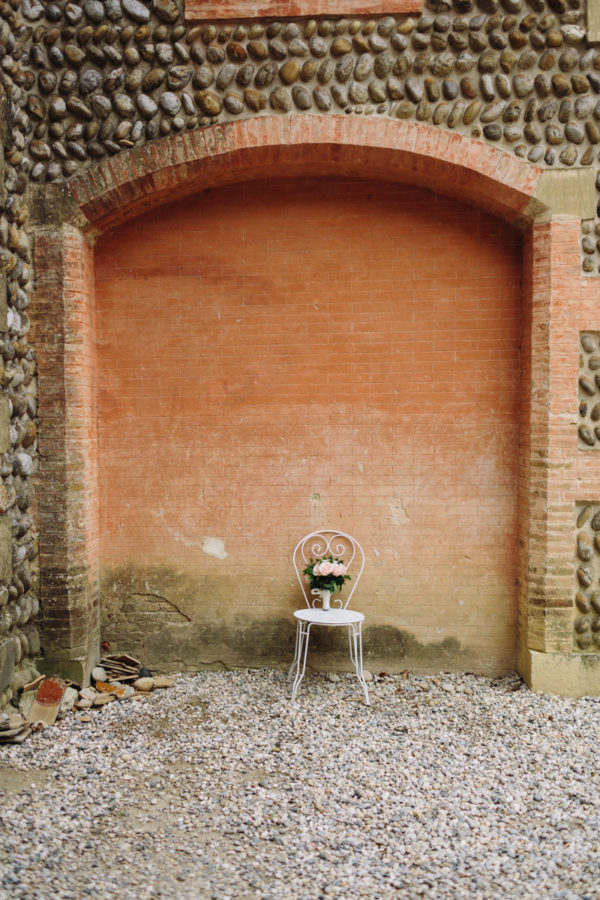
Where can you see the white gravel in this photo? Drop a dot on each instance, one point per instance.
(445, 787)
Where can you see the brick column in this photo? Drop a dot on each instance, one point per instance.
(549, 467)
(67, 483)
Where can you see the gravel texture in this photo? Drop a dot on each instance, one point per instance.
(445, 787)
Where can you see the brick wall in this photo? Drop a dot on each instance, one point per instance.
(67, 506)
(281, 356)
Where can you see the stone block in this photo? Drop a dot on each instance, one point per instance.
(593, 22)
(5, 548)
(568, 192)
(7, 662)
(565, 674)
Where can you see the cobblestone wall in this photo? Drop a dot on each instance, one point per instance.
(82, 81)
(19, 603)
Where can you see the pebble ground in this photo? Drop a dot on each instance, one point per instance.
(453, 786)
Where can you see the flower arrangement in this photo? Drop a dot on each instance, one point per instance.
(326, 574)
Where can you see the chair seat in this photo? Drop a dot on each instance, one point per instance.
(329, 616)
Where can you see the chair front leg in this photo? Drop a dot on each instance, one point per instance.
(296, 654)
(303, 638)
(357, 657)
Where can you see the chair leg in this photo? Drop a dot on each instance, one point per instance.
(303, 638)
(296, 654)
(356, 656)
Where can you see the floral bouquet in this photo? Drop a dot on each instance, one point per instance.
(326, 574)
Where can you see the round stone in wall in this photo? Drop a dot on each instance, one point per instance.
(136, 10)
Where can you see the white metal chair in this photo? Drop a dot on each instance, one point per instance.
(340, 546)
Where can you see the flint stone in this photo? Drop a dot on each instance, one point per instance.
(123, 104)
(588, 438)
(414, 89)
(584, 107)
(585, 549)
(586, 385)
(146, 105)
(278, 50)
(89, 81)
(94, 10)
(512, 133)
(442, 65)
(298, 48)
(74, 54)
(136, 10)
(302, 98)
(32, 9)
(493, 111)
(340, 47)
(309, 70)
(487, 87)
(255, 100)
(377, 91)
(266, 74)
(344, 67)
(472, 111)
(532, 133)
(395, 88)
(209, 102)
(318, 47)
(233, 103)
(340, 95)
(322, 98)
(358, 92)
(290, 71)
(164, 54)
(101, 106)
(493, 132)
(575, 132)
(363, 67)
(226, 76)
(166, 10)
(170, 103)
(547, 110)
(377, 43)
(523, 85)
(450, 90)
(582, 602)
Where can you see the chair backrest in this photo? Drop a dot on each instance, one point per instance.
(341, 546)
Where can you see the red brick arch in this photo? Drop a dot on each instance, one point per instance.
(556, 303)
(449, 163)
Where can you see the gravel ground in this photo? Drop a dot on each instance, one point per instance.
(445, 787)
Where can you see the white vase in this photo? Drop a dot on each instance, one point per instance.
(325, 597)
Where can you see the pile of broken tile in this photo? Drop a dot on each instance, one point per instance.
(45, 700)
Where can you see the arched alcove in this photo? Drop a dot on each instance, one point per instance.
(282, 355)
(181, 166)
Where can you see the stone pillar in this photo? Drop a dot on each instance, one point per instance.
(551, 468)
(67, 483)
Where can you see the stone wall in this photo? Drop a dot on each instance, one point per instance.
(92, 90)
(19, 599)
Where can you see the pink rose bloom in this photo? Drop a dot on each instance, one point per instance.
(338, 569)
(316, 569)
(325, 568)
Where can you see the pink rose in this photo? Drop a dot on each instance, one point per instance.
(316, 569)
(325, 568)
(338, 569)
